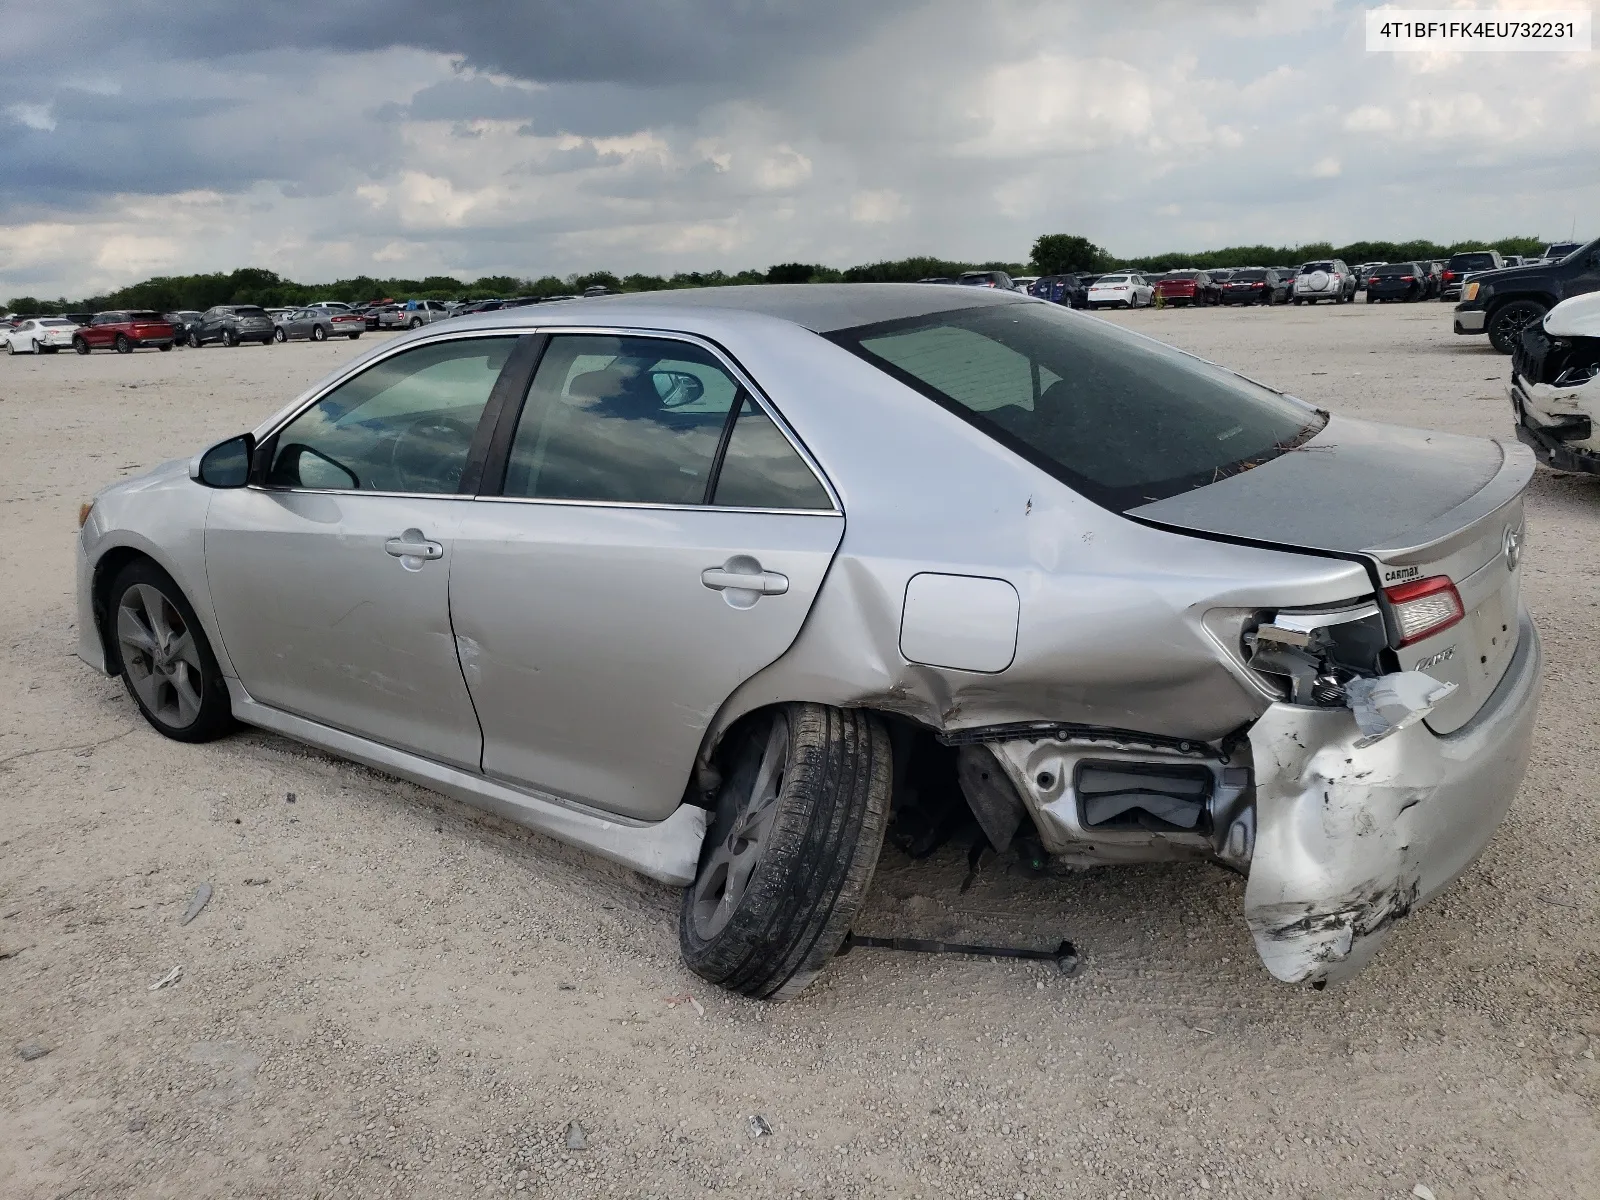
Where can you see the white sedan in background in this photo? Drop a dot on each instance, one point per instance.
(39, 335)
(1121, 291)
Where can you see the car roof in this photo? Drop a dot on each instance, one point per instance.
(820, 307)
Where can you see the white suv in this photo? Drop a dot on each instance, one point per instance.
(1328, 279)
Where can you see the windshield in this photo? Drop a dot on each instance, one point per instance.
(1562, 251)
(1121, 418)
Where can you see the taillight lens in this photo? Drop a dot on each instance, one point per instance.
(1424, 607)
(1449, 274)
(1407, 279)
(1259, 285)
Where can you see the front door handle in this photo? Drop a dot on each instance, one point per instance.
(412, 544)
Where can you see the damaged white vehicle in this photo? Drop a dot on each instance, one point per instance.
(716, 583)
(1555, 385)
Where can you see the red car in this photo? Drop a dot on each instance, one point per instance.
(124, 332)
(1188, 287)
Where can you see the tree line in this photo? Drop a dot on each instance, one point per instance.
(1052, 254)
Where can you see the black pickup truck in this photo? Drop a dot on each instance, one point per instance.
(1504, 303)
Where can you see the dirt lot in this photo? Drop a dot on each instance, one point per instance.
(390, 994)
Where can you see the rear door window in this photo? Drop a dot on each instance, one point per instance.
(1123, 419)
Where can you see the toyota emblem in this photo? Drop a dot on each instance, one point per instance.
(1511, 544)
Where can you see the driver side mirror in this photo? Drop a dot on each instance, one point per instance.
(677, 388)
(225, 465)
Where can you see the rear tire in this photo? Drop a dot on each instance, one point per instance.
(164, 658)
(791, 849)
(124, 346)
(354, 336)
(318, 334)
(164, 347)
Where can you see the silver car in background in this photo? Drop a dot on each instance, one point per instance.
(318, 324)
(702, 580)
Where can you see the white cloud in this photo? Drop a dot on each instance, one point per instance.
(1326, 167)
(34, 116)
(877, 207)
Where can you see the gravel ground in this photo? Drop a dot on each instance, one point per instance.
(391, 994)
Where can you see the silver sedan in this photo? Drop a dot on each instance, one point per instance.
(319, 324)
(717, 584)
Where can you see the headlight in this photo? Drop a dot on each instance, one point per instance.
(1470, 292)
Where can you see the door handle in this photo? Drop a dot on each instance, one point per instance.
(744, 576)
(412, 544)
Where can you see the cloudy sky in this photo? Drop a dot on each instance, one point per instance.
(548, 136)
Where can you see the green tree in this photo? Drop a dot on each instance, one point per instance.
(791, 272)
(1057, 253)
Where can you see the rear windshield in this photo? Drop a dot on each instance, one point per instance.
(1181, 275)
(43, 321)
(1471, 262)
(1248, 275)
(1321, 266)
(1121, 418)
(1112, 279)
(249, 310)
(145, 316)
(1389, 270)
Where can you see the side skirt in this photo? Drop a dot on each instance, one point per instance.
(668, 851)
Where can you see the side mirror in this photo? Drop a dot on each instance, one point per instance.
(677, 388)
(225, 465)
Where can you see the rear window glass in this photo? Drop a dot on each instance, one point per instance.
(1390, 270)
(145, 316)
(1121, 418)
(1181, 275)
(1246, 275)
(249, 310)
(43, 321)
(1471, 262)
(1317, 266)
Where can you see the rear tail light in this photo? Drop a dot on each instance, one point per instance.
(1424, 607)
(1371, 281)
(1259, 285)
(1404, 279)
(1449, 274)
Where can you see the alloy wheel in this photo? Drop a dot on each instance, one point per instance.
(733, 860)
(160, 656)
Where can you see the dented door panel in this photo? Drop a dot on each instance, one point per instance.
(1349, 839)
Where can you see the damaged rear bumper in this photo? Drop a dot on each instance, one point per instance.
(1350, 839)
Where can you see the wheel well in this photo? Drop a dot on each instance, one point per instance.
(927, 804)
(1516, 297)
(105, 570)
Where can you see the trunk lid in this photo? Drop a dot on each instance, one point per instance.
(1412, 505)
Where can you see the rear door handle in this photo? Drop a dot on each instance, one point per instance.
(740, 577)
(412, 544)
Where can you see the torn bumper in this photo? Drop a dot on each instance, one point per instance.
(1349, 840)
(1558, 424)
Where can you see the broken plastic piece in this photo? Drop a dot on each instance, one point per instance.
(759, 1127)
(201, 897)
(577, 1139)
(167, 980)
(1389, 703)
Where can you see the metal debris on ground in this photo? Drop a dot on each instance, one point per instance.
(167, 980)
(577, 1139)
(1065, 955)
(759, 1127)
(201, 897)
(29, 1051)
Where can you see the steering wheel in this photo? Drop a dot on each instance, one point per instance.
(429, 454)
